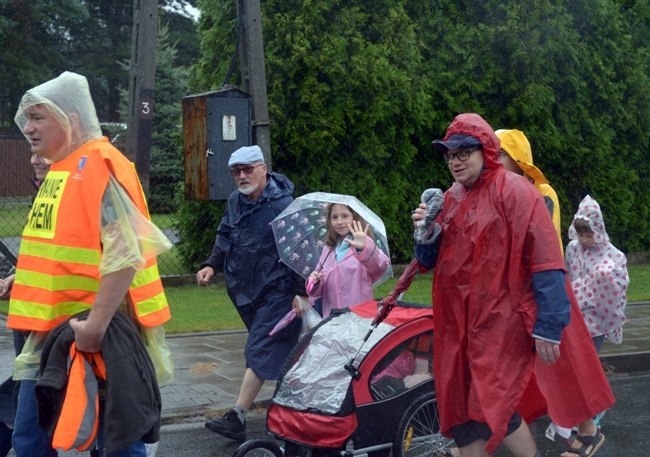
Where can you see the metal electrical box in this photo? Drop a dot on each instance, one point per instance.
(215, 124)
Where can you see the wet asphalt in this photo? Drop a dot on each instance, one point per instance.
(626, 428)
(209, 368)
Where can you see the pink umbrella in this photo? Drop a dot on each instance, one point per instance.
(286, 319)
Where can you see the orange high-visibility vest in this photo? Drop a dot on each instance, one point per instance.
(78, 421)
(57, 274)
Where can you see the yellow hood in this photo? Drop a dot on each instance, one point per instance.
(515, 143)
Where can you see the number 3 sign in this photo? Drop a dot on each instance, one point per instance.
(146, 108)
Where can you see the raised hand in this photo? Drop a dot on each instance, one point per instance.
(359, 235)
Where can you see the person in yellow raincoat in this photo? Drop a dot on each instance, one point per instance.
(516, 155)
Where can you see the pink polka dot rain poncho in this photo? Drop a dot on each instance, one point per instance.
(598, 275)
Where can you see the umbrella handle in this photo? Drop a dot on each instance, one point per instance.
(386, 304)
(383, 308)
(405, 279)
(324, 260)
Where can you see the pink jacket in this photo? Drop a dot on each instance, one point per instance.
(349, 282)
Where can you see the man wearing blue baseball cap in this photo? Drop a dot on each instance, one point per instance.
(501, 306)
(260, 286)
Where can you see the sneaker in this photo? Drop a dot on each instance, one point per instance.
(229, 426)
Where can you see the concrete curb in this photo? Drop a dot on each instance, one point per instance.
(628, 363)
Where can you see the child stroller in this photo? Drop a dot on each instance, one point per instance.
(360, 383)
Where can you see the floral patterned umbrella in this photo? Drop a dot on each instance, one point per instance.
(300, 230)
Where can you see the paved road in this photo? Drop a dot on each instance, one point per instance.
(626, 427)
(210, 366)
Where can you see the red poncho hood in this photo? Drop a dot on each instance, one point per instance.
(474, 125)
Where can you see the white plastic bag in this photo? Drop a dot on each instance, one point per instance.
(310, 317)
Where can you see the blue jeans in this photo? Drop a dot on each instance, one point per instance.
(598, 342)
(29, 440)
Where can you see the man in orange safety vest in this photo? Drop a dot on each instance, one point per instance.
(88, 243)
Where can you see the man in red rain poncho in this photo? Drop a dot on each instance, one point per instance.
(499, 300)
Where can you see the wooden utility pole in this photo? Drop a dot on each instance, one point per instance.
(142, 78)
(253, 73)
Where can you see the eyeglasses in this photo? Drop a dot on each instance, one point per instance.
(461, 155)
(248, 170)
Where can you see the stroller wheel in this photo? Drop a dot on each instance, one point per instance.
(418, 433)
(259, 448)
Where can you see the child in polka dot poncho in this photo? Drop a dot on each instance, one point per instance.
(598, 274)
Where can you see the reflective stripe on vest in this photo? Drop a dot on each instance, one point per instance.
(60, 253)
(78, 422)
(58, 265)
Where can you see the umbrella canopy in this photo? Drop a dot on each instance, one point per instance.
(301, 228)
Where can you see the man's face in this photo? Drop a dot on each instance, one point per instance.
(45, 134)
(467, 171)
(250, 179)
(509, 163)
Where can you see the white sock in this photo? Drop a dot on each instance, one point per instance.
(241, 413)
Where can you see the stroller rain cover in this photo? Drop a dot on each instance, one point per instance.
(314, 391)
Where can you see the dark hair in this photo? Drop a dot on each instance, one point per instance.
(582, 226)
(331, 238)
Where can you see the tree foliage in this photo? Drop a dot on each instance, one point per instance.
(196, 225)
(218, 33)
(345, 102)
(566, 73)
(358, 92)
(92, 37)
(33, 42)
(341, 93)
(42, 38)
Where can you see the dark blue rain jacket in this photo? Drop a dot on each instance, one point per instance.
(245, 248)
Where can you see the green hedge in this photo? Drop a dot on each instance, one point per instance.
(359, 90)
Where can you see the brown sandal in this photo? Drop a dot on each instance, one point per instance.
(595, 442)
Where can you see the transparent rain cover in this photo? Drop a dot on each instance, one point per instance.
(318, 381)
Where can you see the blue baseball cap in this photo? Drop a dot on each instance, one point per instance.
(457, 141)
